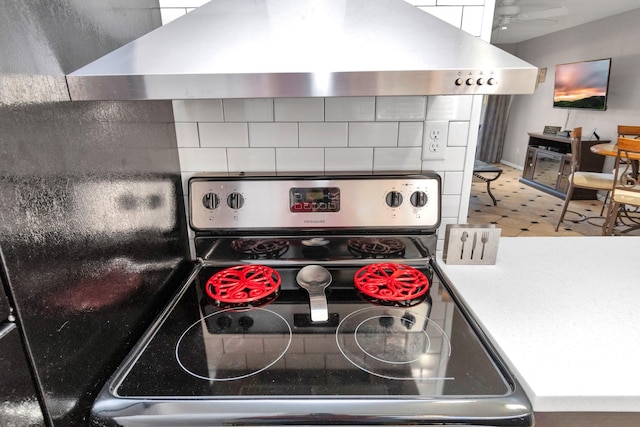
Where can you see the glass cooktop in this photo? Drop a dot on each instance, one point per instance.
(426, 349)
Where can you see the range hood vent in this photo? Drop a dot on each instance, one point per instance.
(302, 48)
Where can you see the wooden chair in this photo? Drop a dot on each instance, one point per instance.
(625, 131)
(626, 189)
(582, 179)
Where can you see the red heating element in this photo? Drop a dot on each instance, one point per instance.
(243, 284)
(391, 282)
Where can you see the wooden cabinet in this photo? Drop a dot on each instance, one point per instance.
(548, 164)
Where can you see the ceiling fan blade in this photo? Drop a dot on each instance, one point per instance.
(536, 22)
(543, 13)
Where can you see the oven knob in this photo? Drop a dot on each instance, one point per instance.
(210, 201)
(393, 199)
(419, 199)
(235, 200)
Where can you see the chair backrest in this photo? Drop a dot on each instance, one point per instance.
(629, 131)
(576, 141)
(626, 168)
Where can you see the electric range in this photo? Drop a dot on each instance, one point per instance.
(314, 301)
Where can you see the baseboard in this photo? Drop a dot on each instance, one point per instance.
(504, 162)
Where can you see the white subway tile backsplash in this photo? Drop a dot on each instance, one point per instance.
(323, 134)
(458, 134)
(348, 160)
(383, 134)
(350, 109)
(410, 134)
(452, 182)
(248, 110)
(397, 108)
(187, 134)
(450, 205)
(197, 110)
(454, 160)
(449, 107)
(299, 109)
(223, 134)
(449, 14)
(251, 160)
(442, 230)
(203, 159)
(273, 134)
(472, 20)
(397, 159)
(300, 160)
(330, 135)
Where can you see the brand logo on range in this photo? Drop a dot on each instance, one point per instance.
(314, 221)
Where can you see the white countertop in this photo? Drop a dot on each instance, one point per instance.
(564, 313)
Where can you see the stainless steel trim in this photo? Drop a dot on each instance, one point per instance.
(419, 262)
(301, 48)
(507, 411)
(363, 203)
(5, 328)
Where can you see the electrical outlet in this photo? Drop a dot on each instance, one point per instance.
(434, 143)
(435, 147)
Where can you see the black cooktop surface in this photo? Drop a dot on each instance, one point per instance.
(202, 349)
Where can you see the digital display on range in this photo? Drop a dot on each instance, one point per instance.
(316, 199)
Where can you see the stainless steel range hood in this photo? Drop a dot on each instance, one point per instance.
(300, 48)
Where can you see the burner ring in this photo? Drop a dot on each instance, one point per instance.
(378, 246)
(391, 282)
(369, 344)
(261, 248)
(243, 283)
(185, 344)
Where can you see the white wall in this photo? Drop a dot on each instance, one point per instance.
(332, 135)
(616, 37)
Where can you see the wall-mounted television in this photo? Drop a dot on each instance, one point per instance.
(582, 85)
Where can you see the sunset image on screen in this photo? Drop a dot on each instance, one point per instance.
(581, 85)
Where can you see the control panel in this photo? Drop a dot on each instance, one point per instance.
(223, 203)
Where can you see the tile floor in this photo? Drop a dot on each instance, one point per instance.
(525, 211)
